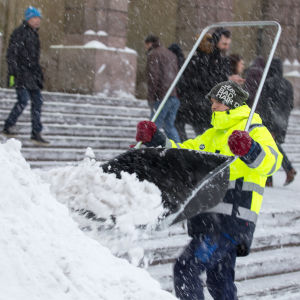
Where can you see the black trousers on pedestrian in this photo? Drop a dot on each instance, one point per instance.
(23, 96)
(286, 164)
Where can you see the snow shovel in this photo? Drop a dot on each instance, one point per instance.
(191, 182)
(176, 173)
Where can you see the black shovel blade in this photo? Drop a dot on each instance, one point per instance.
(209, 192)
(176, 172)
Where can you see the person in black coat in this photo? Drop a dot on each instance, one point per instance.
(274, 107)
(192, 88)
(208, 66)
(25, 73)
(253, 76)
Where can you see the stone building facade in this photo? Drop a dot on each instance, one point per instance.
(96, 46)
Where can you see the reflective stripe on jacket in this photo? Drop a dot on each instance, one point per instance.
(247, 181)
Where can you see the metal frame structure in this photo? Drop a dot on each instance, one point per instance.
(172, 218)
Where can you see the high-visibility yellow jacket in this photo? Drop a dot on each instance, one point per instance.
(237, 214)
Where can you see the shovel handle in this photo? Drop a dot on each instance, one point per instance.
(196, 45)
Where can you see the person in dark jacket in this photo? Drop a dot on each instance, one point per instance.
(209, 66)
(192, 88)
(162, 68)
(25, 73)
(253, 76)
(175, 48)
(274, 107)
(226, 230)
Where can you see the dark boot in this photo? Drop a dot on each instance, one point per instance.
(269, 182)
(37, 139)
(290, 176)
(8, 133)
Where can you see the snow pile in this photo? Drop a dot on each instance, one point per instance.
(292, 74)
(86, 187)
(121, 205)
(44, 254)
(95, 45)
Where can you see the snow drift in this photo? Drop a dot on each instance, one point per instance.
(121, 205)
(43, 253)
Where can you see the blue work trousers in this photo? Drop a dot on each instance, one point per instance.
(216, 256)
(166, 118)
(23, 96)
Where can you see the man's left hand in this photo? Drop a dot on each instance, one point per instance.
(237, 78)
(240, 142)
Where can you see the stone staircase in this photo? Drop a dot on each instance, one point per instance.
(273, 268)
(74, 122)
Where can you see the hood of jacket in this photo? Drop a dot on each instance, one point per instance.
(227, 119)
(276, 68)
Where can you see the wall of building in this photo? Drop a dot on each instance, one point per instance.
(144, 17)
(173, 20)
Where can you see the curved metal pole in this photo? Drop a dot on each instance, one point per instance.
(170, 219)
(196, 45)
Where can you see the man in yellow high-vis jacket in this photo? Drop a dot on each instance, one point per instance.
(226, 230)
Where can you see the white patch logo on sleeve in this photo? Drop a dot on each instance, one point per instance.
(226, 93)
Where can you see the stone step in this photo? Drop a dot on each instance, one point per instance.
(72, 154)
(282, 286)
(279, 286)
(79, 130)
(83, 142)
(81, 99)
(257, 265)
(86, 109)
(165, 248)
(122, 141)
(69, 118)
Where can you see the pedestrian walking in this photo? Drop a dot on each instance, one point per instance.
(209, 65)
(192, 87)
(25, 73)
(162, 68)
(275, 106)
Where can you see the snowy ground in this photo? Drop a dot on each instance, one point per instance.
(44, 255)
(48, 257)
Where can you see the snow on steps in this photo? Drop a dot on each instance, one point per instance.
(75, 122)
(273, 267)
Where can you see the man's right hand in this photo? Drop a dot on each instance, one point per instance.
(11, 81)
(145, 131)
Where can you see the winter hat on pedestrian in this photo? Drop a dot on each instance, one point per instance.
(32, 12)
(228, 93)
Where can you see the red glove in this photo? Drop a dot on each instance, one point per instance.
(240, 142)
(145, 131)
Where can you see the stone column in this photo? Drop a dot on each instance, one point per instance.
(94, 57)
(0, 51)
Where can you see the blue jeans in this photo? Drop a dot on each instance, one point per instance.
(166, 118)
(23, 96)
(216, 256)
